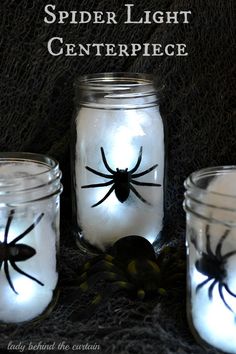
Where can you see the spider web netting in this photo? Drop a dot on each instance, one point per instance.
(36, 105)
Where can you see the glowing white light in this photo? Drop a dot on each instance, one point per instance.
(197, 278)
(213, 320)
(121, 133)
(31, 298)
(124, 151)
(13, 233)
(18, 226)
(123, 156)
(26, 289)
(151, 236)
(111, 203)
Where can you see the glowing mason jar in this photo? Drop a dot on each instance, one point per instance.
(210, 205)
(29, 235)
(118, 159)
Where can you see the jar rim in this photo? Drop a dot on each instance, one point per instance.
(211, 205)
(29, 184)
(116, 90)
(194, 177)
(106, 80)
(49, 162)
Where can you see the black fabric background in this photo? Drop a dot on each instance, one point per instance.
(36, 107)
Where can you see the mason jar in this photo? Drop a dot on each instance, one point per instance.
(118, 160)
(29, 235)
(210, 204)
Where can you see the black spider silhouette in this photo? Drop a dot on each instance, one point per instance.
(213, 266)
(16, 252)
(121, 180)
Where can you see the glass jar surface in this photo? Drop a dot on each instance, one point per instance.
(210, 205)
(118, 157)
(29, 235)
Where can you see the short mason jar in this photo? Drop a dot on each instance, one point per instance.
(29, 235)
(118, 160)
(210, 204)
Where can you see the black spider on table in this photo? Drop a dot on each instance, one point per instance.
(132, 267)
(13, 252)
(213, 265)
(122, 180)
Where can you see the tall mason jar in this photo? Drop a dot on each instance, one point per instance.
(210, 204)
(29, 235)
(118, 156)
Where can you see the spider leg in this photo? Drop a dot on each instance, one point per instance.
(138, 161)
(210, 290)
(28, 230)
(208, 244)
(145, 183)
(86, 280)
(98, 184)
(105, 197)
(98, 173)
(229, 254)
(100, 297)
(6, 269)
(138, 195)
(9, 220)
(100, 267)
(14, 266)
(228, 290)
(106, 261)
(122, 284)
(220, 243)
(222, 295)
(105, 161)
(202, 284)
(144, 172)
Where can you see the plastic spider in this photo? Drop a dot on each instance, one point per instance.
(13, 252)
(131, 266)
(122, 180)
(213, 265)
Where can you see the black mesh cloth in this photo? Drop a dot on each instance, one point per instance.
(36, 107)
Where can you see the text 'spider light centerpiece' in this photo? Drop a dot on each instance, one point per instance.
(118, 159)
(29, 235)
(210, 203)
